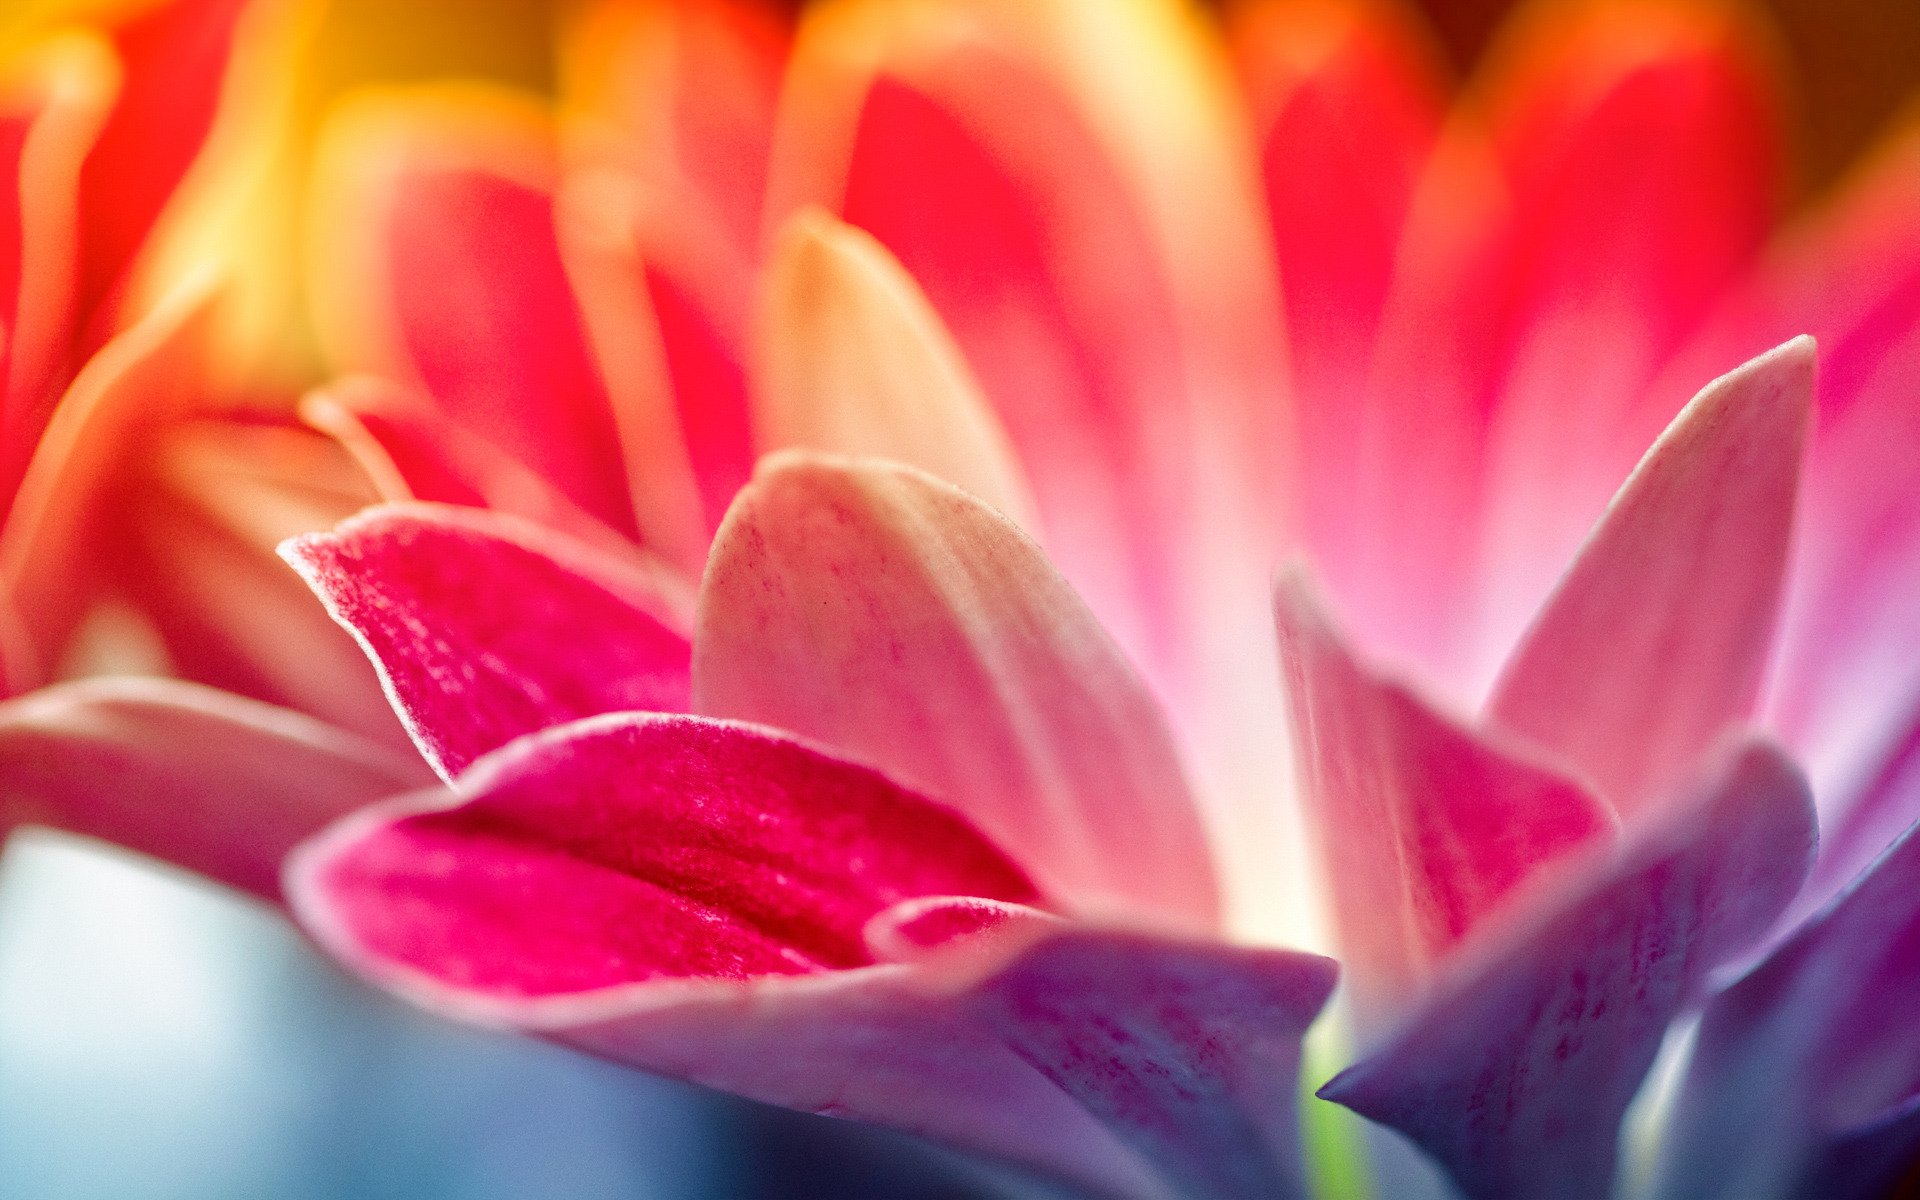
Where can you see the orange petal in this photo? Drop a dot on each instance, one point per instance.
(854, 361)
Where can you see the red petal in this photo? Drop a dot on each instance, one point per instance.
(484, 629)
(174, 59)
(440, 268)
(1426, 827)
(1517, 1074)
(1656, 639)
(634, 847)
(201, 779)
(893, 617)
(1346, 103)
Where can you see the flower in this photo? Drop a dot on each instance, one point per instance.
(879, 821)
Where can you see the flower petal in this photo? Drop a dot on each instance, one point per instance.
(1190, 1053)
(484, 628)
(1426, 828)
(1656, 639)
(1517, 1074)
(1810, 1065)
(199, 778)
(193, 535)
(854, 361)
(435, 263)
(53, 103)
(1346, 101)
(1643, 142)
(754, 862)
(1080, 214)
(893, 617)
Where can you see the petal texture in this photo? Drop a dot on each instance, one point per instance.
(1425, 827)
(484, 629)
(893, 617)
(1656, 640)
(1516, 1075)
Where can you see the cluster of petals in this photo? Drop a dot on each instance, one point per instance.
(835, 473)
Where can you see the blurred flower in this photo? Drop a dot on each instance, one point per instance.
(1068, 267)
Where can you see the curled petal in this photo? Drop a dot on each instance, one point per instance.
(484, 628)
(854, 361)
(1516, 1075)
(893, 617)
(199, 778)
(689, 896)
(1427, 828)
(1656, 639)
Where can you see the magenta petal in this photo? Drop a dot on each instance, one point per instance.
(1191, 1053)
(690, 897)
(1655, 639)
(896, 618)
(1516, 1076)
(1426, 827)
(202, 779)
(484, 628)
(1807, 1071)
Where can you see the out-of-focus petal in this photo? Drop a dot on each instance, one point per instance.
(666, 305)
(174, 59)
(1806, 1072)
(410, 450)
(1346, 101)
(1517, 1074)
(192, 531)
(1658, 635)
(52, 105)
(484, 628)
(1643, 143)
(199, 778)
(1426, 828)
(153, 371)
(854, 361)
(434, 262)
(1081, 214)
(893, 617)
(686, 90)
(757, 862)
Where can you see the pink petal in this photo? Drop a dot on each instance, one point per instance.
(895, 618)
(854, 361)
(1346, 101)
(1516, 1076)
(1657, 637)
(1645, 149)
(754, 863)
(193, 535)
(484, 629)
(1089, 232)
(1426, 827)
(642, 846)
(443, 272)
(1814, 1055)
(205, 780)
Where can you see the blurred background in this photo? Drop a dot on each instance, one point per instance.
(163, 1039)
